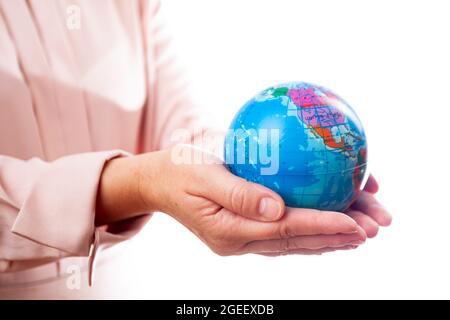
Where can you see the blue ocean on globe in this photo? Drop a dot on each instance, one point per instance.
(302, 141)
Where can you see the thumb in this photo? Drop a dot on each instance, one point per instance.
(247, 199)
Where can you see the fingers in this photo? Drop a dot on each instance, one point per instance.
(371, 185)
(370, 206)
(367, 223)
(299, 222)
(315, 242)
(307, 251)
(247, 199)
(311, 222)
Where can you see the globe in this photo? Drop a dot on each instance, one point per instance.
(302, 141)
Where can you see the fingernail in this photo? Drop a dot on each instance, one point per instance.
(356, 242)
(269, 208)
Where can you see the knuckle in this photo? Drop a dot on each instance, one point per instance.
(284, 231)
(373, 231)
(285, 246)
(238, 197)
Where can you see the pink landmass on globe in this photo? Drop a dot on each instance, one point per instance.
(317, 113)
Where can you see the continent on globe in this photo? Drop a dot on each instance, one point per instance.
(318, 114)
(321, 152)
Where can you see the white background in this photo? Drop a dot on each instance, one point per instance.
(390, 61)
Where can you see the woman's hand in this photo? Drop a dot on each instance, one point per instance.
(230, 215)
(368, 212)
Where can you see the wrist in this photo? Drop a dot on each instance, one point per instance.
(151, 178)
(118, 194)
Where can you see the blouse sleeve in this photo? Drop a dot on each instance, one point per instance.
(55, 205)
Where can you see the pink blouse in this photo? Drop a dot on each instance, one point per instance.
(71, 98)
